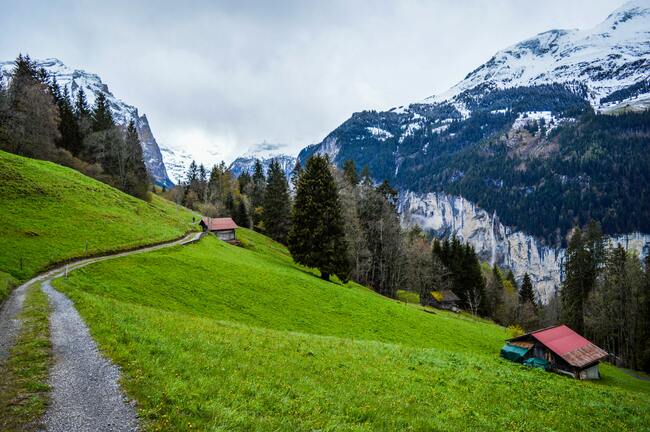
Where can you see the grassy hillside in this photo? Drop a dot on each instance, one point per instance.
(51, 213)
(215, 337)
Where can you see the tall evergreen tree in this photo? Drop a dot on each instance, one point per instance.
(81, 108)
(102, 118)
(277, 204)
(572, 294)
(350, 172)
(241, 215)
(137, 176)
(316, 238)
(257, 193)
(244, 182)
(526, 292)
(70, 138)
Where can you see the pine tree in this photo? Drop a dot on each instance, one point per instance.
(71, 138)
(102, 119)
(511, 278)
(244, 182)
(202, 191)
(316, 238)
(277, 204)
(136, 171)
(350, 172)
(257, 193)
(572, 294)
(526, 292)
(241, 215)
(81, 108)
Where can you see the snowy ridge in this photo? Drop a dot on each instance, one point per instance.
(266, 153)
(74, 79)
(609, 57)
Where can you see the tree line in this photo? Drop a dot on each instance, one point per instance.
(606, 296)
(39, 120)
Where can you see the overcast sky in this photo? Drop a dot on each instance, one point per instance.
(217, 77)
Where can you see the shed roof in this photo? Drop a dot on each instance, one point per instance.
(449, 296)
(219, 224)
(569, 345)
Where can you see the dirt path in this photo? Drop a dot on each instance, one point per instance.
(85, 391)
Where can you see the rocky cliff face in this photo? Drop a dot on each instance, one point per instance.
(74, 79)
(446, 215)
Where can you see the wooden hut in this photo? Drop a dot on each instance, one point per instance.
(224, 228)
(444, 299)
(556, 348)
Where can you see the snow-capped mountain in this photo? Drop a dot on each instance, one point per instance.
(74, 79)
(505, 135)
(266, 153)
(613, 56)
(176, 162)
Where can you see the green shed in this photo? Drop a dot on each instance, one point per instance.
(514, 353)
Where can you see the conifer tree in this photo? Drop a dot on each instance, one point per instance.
(277, 204)
(350, 172)
(572, 294)
(81, 108)
(241, 215)
(316, 238)
(244, 182)
(137, 176)
(102, 118)
(70, 138)
(257, 193)
(526, 292)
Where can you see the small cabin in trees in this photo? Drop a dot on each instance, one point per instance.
(558, 349)
(224, 228)
(444, 299)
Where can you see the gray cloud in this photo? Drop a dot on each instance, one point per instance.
(215, 78)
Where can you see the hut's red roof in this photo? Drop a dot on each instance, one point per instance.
(219, 224)
(573, 348)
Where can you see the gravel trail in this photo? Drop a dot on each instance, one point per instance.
(86, 395)
(9, 322)
(85, 392)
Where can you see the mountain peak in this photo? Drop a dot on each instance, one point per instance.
(607, 58)
(631, 10)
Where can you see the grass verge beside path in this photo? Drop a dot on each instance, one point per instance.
(7, 283)
(24, 392)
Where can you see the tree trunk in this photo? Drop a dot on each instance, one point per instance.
(325, 276)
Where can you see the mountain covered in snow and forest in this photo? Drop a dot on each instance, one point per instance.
(75, 79)
(265, 153)
(546, 135)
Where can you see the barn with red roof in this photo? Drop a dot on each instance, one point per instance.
(224, 228)
(559, 349)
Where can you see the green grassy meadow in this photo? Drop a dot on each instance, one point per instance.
(215, 337)
(51, 213)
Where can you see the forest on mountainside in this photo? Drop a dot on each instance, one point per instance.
(40, 121)
(543, 176)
